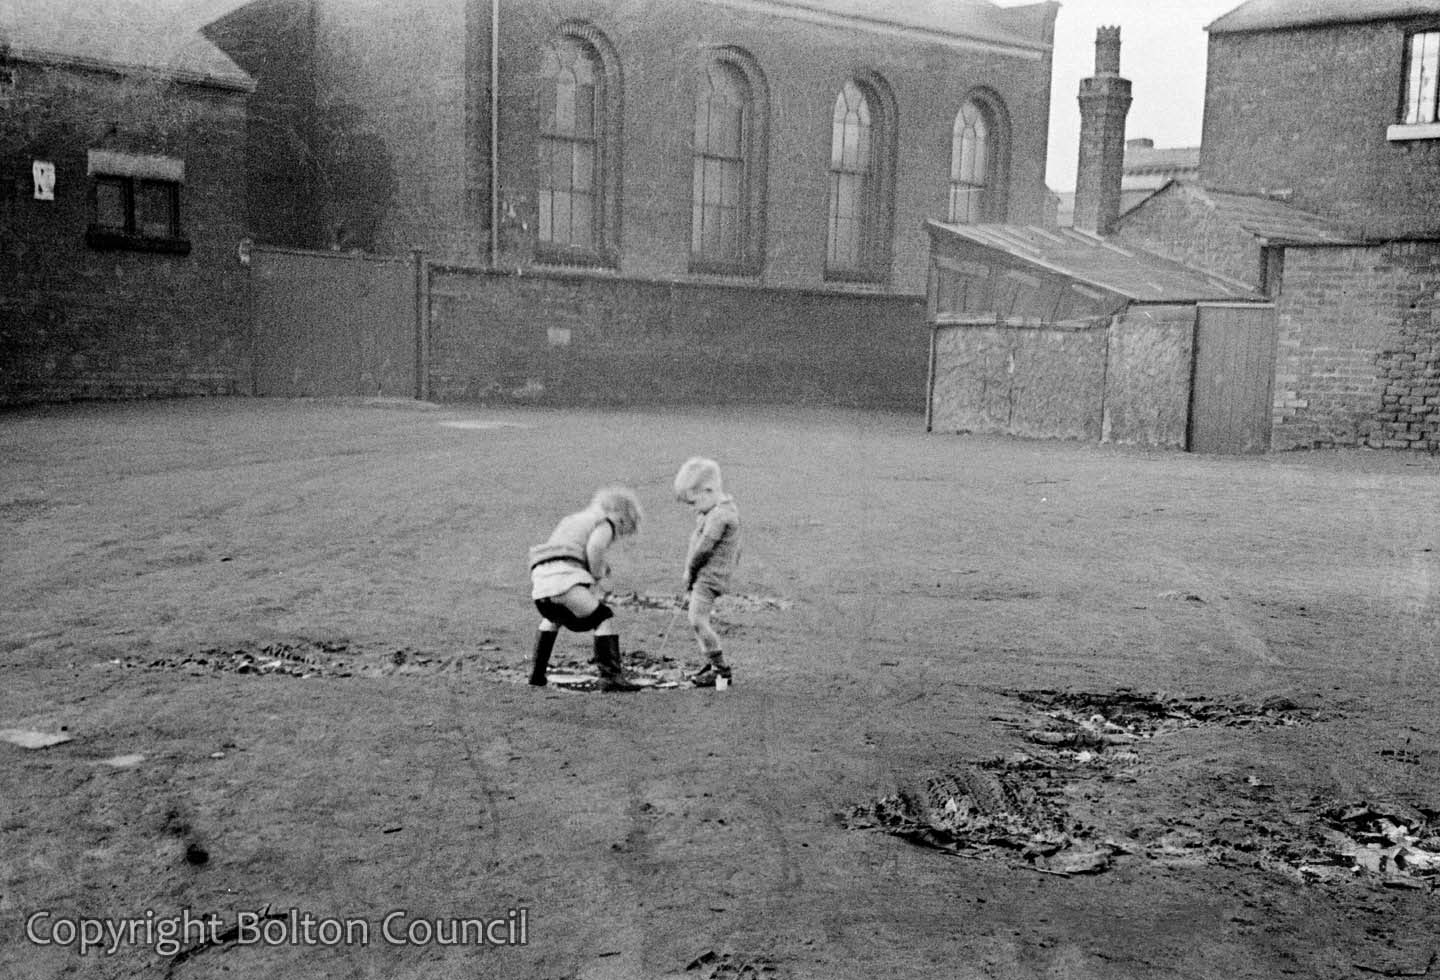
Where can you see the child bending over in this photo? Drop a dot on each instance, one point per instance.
(565, 573)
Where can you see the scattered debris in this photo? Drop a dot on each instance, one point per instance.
(1096, 723)
(1001, 807)
(320, 658)
(32, 740)
(124, 761)
(1392, 842)
(1027, 807)
(727, 965)
(304, 659)
(728, 603)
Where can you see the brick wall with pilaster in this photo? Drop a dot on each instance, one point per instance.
(1359, 348)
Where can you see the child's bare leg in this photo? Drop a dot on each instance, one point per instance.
(591, 613)
(699, 616)
(701, 602)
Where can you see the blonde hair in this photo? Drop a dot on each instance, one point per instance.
(620, 505)
(696, 472)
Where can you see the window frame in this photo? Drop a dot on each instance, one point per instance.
(1400, 129)
(993, 194)
(876, 211)
(131, 175)
(747, 256)
(602, 250)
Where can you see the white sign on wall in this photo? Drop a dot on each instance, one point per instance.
(44, 172)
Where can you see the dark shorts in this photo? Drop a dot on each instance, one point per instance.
(561, 616)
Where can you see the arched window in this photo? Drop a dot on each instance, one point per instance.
(977, 164)
(727, 204)
(577, 166)
(861, 131)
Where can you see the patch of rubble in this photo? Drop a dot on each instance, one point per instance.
(1125, 716)
(729, 965)
(303, 659)
(728, 603)
(1010, 808)
(337, 659)
(1023, 808)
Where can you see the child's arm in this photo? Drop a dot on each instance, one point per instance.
(595, 548)
(700, 550)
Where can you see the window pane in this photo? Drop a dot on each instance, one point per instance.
(564, 118)
(582, 176)
(110, 206)
(584, 111)
(725, 130)
(582, 216)
(546, 231)
(729, 184)
(561, 220)
(155, 209)
(844, 251)
(697, 208)
(1420, 91)
(964, 204)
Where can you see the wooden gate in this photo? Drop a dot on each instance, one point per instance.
(330, 323)
(1233, 379)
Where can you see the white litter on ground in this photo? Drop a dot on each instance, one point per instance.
(482, 424)
(31, 740)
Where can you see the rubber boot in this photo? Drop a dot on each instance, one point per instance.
(607, 655)
(717, 667)
(544, 643)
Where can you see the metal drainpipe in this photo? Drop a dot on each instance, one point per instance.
(494, 133)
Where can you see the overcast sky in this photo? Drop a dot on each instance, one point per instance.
(1162, 52)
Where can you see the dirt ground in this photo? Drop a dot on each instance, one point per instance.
(1002, 709)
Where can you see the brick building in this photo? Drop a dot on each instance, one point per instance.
(122, 134)
(762, 163)
(1319, 183)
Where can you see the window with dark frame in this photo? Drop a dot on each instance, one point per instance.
(132, 211)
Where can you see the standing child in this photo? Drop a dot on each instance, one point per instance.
(565, 573)
(713, 553)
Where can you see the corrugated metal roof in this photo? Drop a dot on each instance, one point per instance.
(125, 34)
(1267, 15)
(1134, 273)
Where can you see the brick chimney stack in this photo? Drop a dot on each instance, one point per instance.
(1104, 101)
